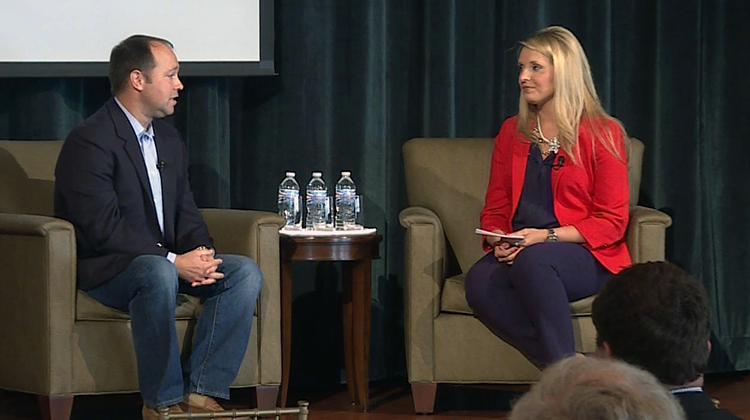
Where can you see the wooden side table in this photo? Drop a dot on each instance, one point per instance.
(356, 252)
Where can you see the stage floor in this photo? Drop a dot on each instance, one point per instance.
(389, 401)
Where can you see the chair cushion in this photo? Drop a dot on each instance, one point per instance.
(453, 299)
(28, 171)
(582, 307)
(459, 170)
(89, 309)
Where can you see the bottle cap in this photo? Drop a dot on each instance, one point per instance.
(317, 174)
(290, 174)
(346, 173)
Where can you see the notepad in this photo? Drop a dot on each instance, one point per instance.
(498, 235)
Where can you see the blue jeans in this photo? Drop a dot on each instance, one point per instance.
(148, 289)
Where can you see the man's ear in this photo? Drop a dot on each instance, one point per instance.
(709, 346)
(604, 351)
(137, 80)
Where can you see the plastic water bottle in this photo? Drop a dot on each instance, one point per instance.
(289, 202)
(346, 196)
(317, 197)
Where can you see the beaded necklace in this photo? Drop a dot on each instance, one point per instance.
(553, 144)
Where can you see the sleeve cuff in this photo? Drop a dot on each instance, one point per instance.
(171, 256)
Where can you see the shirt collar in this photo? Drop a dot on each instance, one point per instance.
(137, 127)
(686, 390)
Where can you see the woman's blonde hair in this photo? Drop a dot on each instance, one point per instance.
(575, 100)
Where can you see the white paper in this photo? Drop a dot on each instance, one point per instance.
(498, 235)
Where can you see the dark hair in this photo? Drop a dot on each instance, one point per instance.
(133, 53)
(655, 315)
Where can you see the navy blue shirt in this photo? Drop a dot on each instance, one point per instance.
(536, 208)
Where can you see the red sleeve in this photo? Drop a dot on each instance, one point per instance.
(497, 201)
(609, 210)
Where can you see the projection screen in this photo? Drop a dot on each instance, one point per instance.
(73, 38)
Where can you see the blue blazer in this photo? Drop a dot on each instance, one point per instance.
(102, 188)
(698, 406)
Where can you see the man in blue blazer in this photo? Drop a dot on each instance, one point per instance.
(122, 181)
(656, 316)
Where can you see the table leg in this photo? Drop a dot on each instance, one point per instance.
(286, 326)
(347, 314)
(361, 291)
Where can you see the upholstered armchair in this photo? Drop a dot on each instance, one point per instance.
(58, 342)
(446, 180)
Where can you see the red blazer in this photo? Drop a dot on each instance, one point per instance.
(591, 195)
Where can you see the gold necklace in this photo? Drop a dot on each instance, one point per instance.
(553, 145)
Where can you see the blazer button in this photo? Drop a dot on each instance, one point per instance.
(160, 245)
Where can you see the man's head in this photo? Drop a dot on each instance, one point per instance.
(583, 388)
(145, 70)
(656, 316)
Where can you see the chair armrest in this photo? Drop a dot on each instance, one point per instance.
(646, 234)
(256, 234)
(424, 267)
(37, 303)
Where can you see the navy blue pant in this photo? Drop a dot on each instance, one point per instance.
(527, 302)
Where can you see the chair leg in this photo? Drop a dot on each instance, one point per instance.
(266, 396)
(55, 407)
(423, 394)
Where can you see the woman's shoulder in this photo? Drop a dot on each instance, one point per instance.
(509, 126)
(511, 122)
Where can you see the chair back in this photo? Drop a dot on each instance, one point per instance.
(27, 176)
(449, 176)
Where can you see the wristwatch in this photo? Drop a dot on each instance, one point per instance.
(551, 235)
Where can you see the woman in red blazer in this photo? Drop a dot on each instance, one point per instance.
(559, 180)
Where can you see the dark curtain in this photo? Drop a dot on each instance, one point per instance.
(357, 79)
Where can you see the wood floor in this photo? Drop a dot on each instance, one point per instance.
(391, 401)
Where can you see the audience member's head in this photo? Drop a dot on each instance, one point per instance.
(585, 388)
(133, 53)
(656, 316)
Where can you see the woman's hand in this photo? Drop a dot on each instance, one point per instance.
(505, 252)
(531, 236)
(494, 241)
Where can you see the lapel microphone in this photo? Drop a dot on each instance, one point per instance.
(160, 165)
(559, 164)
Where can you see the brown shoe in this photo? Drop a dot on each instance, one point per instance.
(151, 413)
(196, 403)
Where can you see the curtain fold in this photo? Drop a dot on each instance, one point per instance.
(358, 79)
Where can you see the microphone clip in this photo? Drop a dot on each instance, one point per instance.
(559, 164)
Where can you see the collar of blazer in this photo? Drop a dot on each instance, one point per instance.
(168, 171)
(125, 132)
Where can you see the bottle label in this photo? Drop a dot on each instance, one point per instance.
(316, 195)
(318, 209)
(292, 196)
